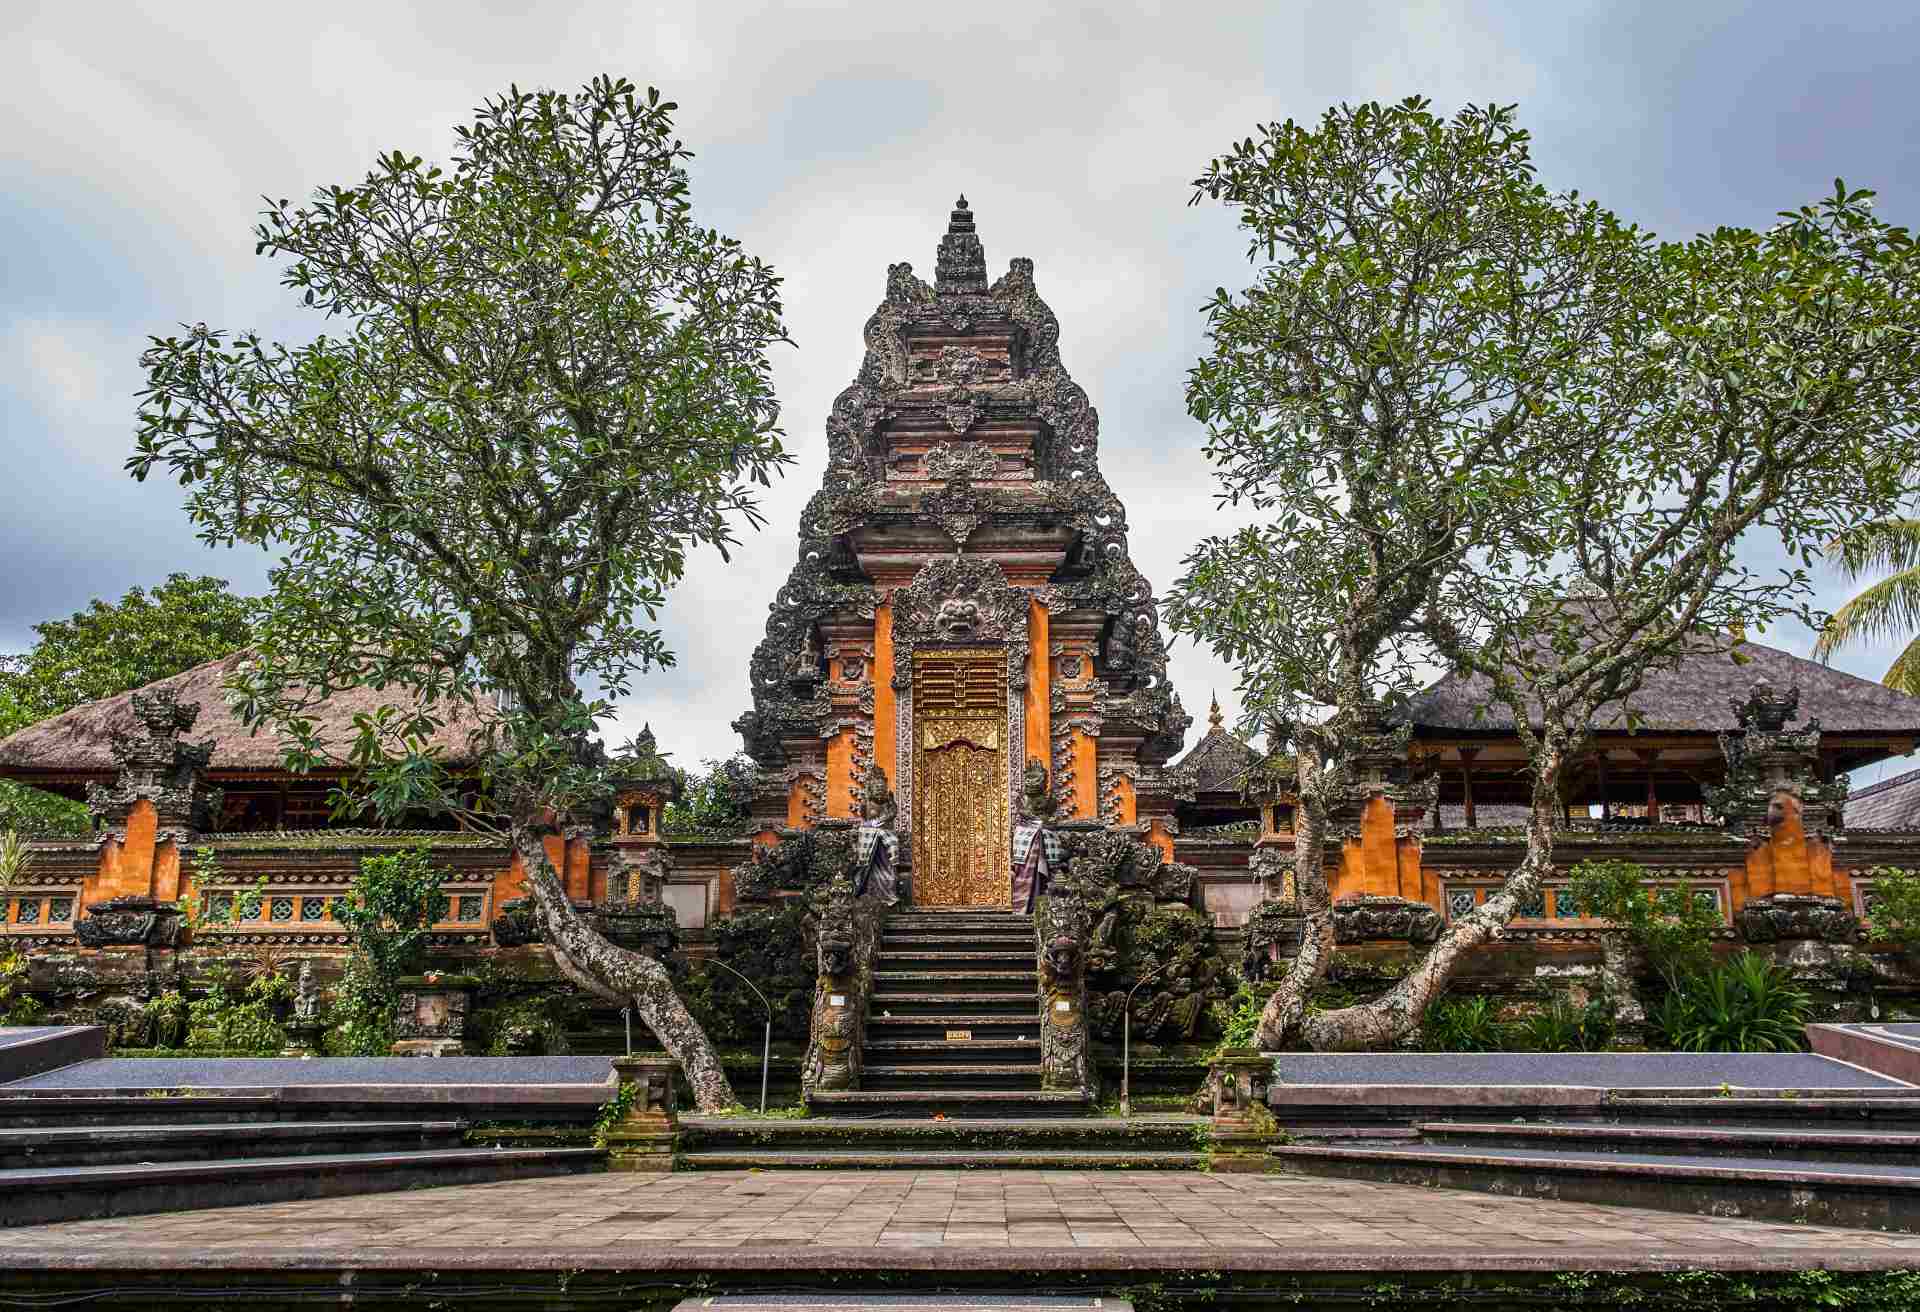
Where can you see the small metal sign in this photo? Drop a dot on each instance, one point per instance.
(836, 999)
(959, 1036)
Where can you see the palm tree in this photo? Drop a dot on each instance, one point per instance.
(1887, 609)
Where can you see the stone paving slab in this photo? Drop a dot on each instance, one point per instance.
(1603, 1070)
(982, 1217)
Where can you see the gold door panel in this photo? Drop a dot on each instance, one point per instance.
(960, 779)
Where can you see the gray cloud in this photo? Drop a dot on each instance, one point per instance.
(832, 139)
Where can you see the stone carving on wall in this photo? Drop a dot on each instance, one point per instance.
(130, 922)
(155, 766)
(962, 460)
(1784, 917)
(1768, 762)
(1369, 918)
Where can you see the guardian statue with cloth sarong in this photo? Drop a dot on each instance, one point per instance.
(876, 848)
(1038, 852)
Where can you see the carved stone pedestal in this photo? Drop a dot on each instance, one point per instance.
(1372, 918)
(430, 1016)
(1242, 1125)
(129, 922)
(645, 1138)
(1782, 917)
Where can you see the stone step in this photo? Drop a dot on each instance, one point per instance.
(42, 1194)
(24, 1110)
(813, 1300)
(1000, 1159)
(1891, 1112)
(933, 1025)
(930, 959)
(1785, 1143)
(107, 1145)
(980, 941)
(957, 922)
(980, 1003)
(953, 1076)
(887, 980)
(950, 1103)
(1878, 1197)
(872, 1133)
(941, 1050)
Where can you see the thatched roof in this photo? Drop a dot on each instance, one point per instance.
(1890, 804)
(1698, 696)
(80, 741)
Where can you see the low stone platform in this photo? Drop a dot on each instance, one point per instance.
(1194, 1239)
(1601, 1070)
(138, 1074)
(28, 1050)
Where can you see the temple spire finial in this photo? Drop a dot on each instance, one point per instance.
(960, 266)
(1214, 718)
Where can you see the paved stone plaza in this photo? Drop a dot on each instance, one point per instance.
(1142, 1210)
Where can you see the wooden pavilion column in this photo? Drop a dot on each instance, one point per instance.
(1472, 820)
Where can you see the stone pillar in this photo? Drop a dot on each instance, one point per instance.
(1377, 887)
(644, 1139)
(158, 805)
(1775, 799)
(1242, 1125)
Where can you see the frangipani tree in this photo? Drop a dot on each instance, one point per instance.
(1380, 393)
(548, 383)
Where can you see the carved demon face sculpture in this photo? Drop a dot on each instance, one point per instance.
(1063, 955)
(958, 617)
(836, 957)
(1036, 792)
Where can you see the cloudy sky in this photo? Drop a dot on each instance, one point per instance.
(832, 140)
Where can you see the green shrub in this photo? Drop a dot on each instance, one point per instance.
(232, 1017)
(1562, 1027)
(389, 910)
(1746, 1004)
(1893, 907)
(166, 1019)
(16, 1007)
(770, 948)
(1462, 1025)
(1672, 927)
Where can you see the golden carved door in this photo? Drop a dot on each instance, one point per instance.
(960, 779)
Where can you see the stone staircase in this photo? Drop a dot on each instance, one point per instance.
(1831, 1160)
(68, 1157)
(953, 1026)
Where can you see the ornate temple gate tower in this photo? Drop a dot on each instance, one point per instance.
(964, 601)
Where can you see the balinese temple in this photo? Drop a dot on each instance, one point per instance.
(963, 604)
(964, 601)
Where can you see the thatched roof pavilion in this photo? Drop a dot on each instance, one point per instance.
(1674, 750)
(67, 752)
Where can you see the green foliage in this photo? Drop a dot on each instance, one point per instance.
(166, 1019)
(108, 648)
(1893, 907)
(1462, 1025)
(713, 799)
(17, 1007)
(1671, 926)
(613, 1111)
(360, 1011)
(389, 909)
(1562, 1027)
(534, 1025)
(1239, 1017)
(545, 386)
(15, 857)
(1887, 608)
(235, 1017)
(1745, 1004)
(770, 948)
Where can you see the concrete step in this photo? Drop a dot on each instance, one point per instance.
(968, 1103)
(1892, 1111)
(1877, 1197)
(999, 1159)
(108, 1145)
(952, 1076)
(42, 1194)
(1782, 1143)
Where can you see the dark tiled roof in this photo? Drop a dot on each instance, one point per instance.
(1698, 695)
(1219, 761)
(1890, 804)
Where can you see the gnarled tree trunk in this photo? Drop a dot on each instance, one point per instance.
(1286, 1009)
(1390, 1018)
(621, 977)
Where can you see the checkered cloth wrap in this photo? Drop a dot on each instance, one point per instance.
(1052, 850)
(876, 850)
